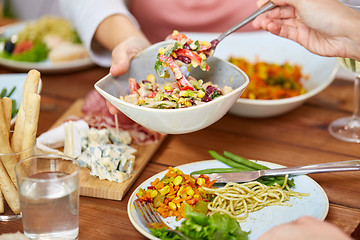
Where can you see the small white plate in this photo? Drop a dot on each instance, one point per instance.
(316, 204)
(45, 66)
(17, 80)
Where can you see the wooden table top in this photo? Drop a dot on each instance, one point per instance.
(299, 137)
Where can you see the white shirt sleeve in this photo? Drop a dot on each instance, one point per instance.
(86, 15)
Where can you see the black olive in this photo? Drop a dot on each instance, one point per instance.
(9, 46)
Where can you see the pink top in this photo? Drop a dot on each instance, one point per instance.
(158, 18)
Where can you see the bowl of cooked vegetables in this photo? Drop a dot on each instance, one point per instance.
(283, 75)
(156, 93)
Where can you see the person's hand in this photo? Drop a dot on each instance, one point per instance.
(124, 52)
(305, 228)
(121, 57)
(324, 27)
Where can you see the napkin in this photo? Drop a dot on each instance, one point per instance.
(66, 135)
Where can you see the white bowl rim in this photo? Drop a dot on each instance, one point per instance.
(214, 101)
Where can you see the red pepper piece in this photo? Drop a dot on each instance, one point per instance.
(184, 84)
(134, 86)
(193, 56)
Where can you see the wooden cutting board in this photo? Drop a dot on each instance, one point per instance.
(94, 187)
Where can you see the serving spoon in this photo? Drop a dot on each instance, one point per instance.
(266, 7)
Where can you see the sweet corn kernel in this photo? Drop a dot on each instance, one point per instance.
(200, 94)
(194, 64)
(203, 56)
(178, 180)
(188, 103)
(172, 206)
(174, 55)
(153, 193)
(196, 196)
(164, 190)
(206, 43)
(189, 191)
(200, 181)
(141, 101)
(161, 51)
(180, 191)
(182, 100)
(150, 78)
(175, 32)
(184, 93)
(168, 88)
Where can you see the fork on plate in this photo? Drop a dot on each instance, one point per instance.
(151, 217)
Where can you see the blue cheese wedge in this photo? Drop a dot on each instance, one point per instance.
(107, 153)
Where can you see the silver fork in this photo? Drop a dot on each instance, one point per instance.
(150, 216)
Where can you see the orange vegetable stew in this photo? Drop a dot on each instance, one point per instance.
(170, 193)
(270, 80)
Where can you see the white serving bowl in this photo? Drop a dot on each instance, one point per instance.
(174, 121)
(270, 48)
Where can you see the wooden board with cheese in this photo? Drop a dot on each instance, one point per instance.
(92, 186)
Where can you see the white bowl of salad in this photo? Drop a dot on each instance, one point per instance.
(188, 110)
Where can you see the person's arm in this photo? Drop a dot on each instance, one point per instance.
(324, 27)
(305, 228)
(118, 34)
(109, 20)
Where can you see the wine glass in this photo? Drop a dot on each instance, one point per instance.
(348, 128)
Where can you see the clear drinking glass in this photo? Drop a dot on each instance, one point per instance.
(49, 197)
(348, 128)
(11, 210)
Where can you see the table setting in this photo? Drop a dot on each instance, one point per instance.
(152, 143)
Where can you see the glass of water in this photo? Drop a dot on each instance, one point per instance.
(49, 196)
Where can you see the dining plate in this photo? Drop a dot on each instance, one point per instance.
(17, 80)
(45, 66)
(316, 204)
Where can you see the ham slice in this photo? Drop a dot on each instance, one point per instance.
(97, 115)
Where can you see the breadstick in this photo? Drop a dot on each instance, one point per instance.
(31, 86)
(8, 189)
(7, 108)
(2, 209)
(31, 124)
(9, 161)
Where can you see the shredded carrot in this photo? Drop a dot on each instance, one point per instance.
(170, 193)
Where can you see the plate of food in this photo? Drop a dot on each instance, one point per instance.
(283, 74)
(49, 44)
(11, 86)
(309, 199)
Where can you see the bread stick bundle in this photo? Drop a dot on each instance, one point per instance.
(24, 136)
(8, 162)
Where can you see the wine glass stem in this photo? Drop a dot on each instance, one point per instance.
(356, 113)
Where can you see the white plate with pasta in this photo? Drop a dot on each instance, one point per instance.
(70, 62)
(316, 204)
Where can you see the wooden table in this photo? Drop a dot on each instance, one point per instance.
(297, 138)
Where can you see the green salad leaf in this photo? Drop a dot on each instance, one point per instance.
(37, 53)
(199, 226)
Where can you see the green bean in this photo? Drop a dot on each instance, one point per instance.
(244, 161)
(3, 93)
(227, 161)
(218, 170)
(11, 92)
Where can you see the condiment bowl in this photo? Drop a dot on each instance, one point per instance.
(181, 120)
